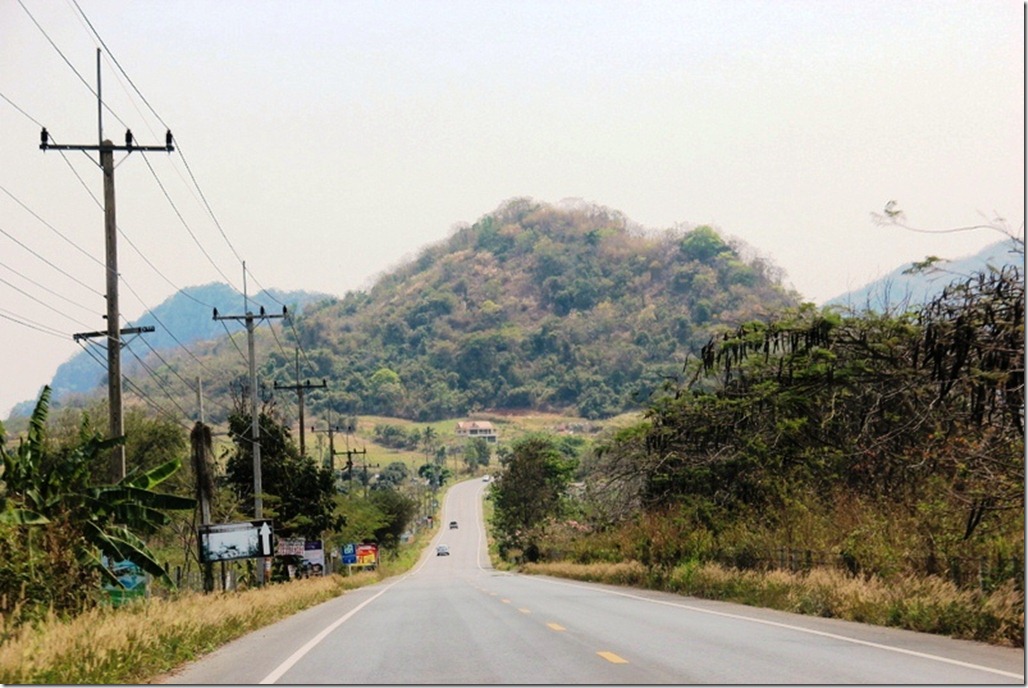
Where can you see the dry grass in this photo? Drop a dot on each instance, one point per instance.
(138, 642)
(620, 573)
(926, 604)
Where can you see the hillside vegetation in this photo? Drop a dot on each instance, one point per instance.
(532, 307)
(888, 448)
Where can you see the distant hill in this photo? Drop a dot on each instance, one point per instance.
(535, 306)
(902, 289)
(183, 318)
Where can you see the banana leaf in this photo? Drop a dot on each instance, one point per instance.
(119, 544)
(153, 477)
(22, 517)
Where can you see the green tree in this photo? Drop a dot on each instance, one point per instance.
(477, 453)
(392, 476)
(397, 510)
(531, 490)
(702, 244)
(297, 493)
(386, 390)
(435, 473)
(428, 440)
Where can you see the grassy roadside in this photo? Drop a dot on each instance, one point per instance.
(928, 605)
(141, 642)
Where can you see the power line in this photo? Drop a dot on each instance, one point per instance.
(15, 106)
(100, 206)
(210, 211)
(132, 244)
(48, 289)
(42, 303)
(118, 64)
(186, 225)
(185, 161)
(166, 328)
(160, 409)
(233, 340)
(160, 383)
(63, 272)
(68, 62)
(32, 325)
(50, 226)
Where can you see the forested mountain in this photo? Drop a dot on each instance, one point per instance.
(533, 306)
(184, 318)
(906, 287)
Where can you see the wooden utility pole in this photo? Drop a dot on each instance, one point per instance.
(300, 389)
(332, 453)
(200, 439)
(255, 427)
(364, 462)
(106, 153)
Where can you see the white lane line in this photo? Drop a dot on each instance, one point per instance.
(313, 642)
(799, 629)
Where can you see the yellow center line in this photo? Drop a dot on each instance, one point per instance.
(505, 601)
(612, 658)
(524, 610)
(556, 626)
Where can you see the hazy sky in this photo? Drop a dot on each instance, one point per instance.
(334, 139)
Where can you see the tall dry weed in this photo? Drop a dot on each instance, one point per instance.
(136, 642)
(926, 604)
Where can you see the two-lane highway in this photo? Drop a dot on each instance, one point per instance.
(455, 620)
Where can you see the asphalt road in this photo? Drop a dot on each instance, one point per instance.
(455, 620)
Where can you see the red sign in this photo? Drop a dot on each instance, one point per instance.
(367, 555)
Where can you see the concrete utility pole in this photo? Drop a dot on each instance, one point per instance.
(300, 389)
(106, 151)
(255, 427)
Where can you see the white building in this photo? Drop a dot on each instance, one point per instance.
(477, 428)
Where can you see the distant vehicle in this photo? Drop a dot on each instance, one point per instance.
(485, 478)
(442, 551)
(453, 525)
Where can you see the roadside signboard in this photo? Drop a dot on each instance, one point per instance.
(367, 555)
(225, 541)
(132, 579)
(289, 547)
(314, 554)
(349, 553)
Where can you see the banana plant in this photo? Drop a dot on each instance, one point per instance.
(40, 487)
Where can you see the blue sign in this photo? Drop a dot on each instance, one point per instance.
(349, 553)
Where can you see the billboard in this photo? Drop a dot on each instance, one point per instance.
(314, 556)
(289, 547)
(367, 555)
(226, 541)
